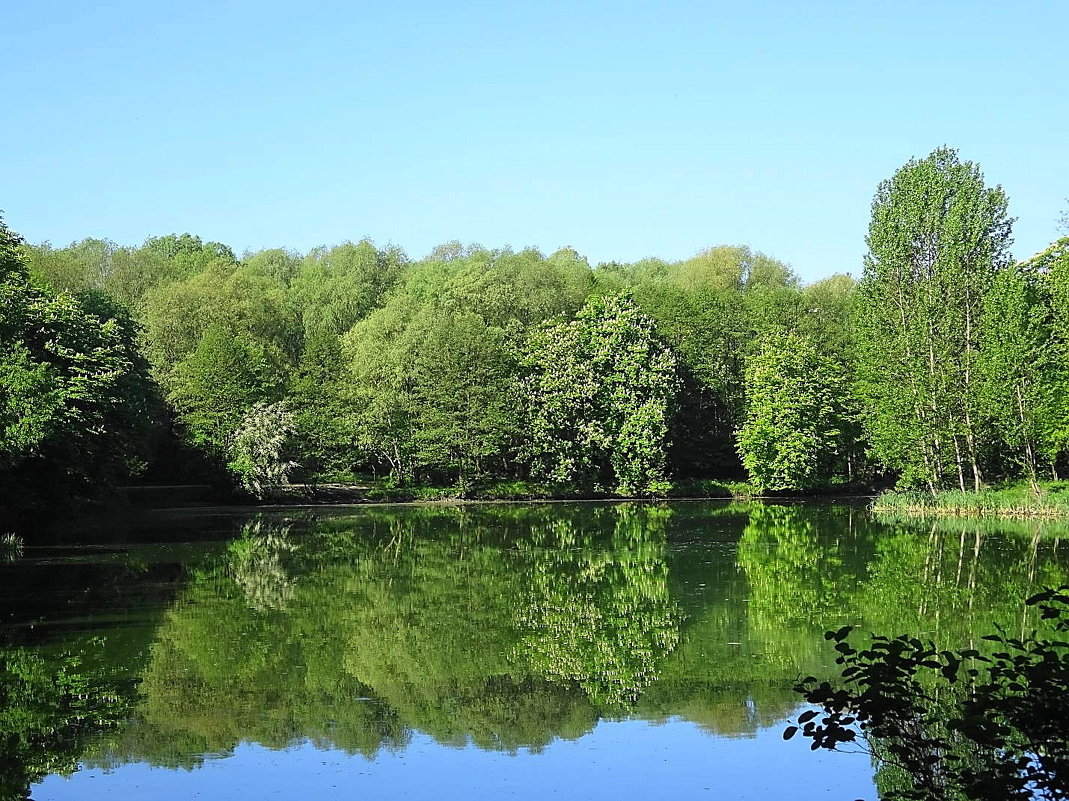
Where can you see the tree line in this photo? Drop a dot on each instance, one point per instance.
(944, 365)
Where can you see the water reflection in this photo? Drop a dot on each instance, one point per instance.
(504, 627)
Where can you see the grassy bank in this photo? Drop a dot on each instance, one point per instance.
(1010, 500)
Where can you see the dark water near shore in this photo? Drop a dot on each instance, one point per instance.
(556, 650)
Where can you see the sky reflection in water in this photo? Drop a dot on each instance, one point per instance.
(618, 760)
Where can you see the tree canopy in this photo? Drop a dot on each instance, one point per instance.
(945, 365)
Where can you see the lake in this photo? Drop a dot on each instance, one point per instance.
(586, 650)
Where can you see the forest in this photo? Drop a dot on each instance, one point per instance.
(946, 365)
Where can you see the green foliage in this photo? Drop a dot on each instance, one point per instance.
(936, 240)
(258, 446)
(432, 394)
(222, 297)
(957, 723)
(216, 385)
(325, 439)
(50, 710)
(74, 390)
(277, 264)
(1020, 371)
(797, 429)
(599, 395)
(470, 366)
(710, 309)
(126, 274)
(1052, 267)
(462, 375)
(433, 370)
(827, 314)
(335, 288)
(32, 404)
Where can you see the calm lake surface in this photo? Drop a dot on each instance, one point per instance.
(588, 651)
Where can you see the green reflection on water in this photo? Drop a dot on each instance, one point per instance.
(503, 626)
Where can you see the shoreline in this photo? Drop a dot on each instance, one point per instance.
(355, 495)
(1015, 501)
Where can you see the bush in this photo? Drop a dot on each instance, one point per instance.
(954, 724)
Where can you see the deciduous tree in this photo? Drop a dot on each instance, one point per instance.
(797, 433)
(936, 240)
(599, 393)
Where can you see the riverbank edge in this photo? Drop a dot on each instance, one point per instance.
(1014, 502)
(356, 495)
(364, 494)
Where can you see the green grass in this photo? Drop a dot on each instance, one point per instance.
(712, 488)
(1010, 500)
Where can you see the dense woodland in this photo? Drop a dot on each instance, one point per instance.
(946, 364)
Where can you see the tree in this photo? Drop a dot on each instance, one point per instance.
(827, 316)
(335, 288)
(74, 390)
(243, 302)
(216, 385)
(432, 371)
(797, 429)
(324, 440)
(598, 394)
(1019, 368)
(936, 240)
(434, 393)
(257, 448)
(1051, 266)
(127, 274)
(84, 265)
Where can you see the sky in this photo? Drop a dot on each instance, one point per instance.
(622, 129)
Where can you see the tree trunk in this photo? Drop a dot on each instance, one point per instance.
(961, 466)
(1029, 453)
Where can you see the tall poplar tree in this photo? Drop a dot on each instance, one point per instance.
(937, 238)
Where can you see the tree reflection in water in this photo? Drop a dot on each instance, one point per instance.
(509, 627)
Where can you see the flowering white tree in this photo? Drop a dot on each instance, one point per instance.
(257, 448)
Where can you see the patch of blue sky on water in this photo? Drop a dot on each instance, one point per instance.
(617, 760)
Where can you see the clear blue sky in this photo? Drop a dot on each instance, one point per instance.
(623, 129)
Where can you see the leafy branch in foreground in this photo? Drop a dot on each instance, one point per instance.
(953, 724)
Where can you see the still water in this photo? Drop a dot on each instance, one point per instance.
(587, 651)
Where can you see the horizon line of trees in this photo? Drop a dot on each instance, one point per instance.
(945, 365)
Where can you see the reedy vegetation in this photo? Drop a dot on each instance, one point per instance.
(946, 365)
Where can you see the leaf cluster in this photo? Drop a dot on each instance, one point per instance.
(961, 724)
